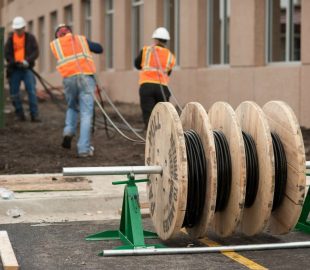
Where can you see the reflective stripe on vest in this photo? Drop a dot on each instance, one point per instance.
(73, 55)
(156, 63)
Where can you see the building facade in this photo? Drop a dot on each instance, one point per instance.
(227, 50)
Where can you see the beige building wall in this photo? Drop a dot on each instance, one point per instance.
(247, 77)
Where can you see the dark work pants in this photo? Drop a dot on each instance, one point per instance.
(150, 94)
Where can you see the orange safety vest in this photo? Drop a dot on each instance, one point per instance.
(19, 47)
(73, 55)
(156, 63)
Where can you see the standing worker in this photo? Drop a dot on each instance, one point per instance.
(21, 50)
(156, 63)
(76, 65)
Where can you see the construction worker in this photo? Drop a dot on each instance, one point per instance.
(156, 63)
(21, 51)
(76, 65)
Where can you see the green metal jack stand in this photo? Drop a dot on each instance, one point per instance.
(130, 231)
(304, 224)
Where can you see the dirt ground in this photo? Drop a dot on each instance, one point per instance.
(28, 147)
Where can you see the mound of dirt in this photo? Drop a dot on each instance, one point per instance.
(28, 147)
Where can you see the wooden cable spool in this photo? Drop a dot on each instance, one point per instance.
(194, 117)
(165, 147)
(223, 117)
(283, 122)
(253, 121)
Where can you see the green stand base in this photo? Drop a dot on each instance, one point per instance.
(131, 231)
(304, 224)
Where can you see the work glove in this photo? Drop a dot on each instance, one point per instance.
(25, 64)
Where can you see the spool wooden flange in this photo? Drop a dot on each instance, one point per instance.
(195, 117)
(223, 117)
(283, 122)
(253, 121)
(165, 147)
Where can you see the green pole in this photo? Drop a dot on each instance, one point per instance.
(1, 77)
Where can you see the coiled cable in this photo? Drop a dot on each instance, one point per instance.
(224, 171)
(280, 170)
(252, 169)
(196, 166)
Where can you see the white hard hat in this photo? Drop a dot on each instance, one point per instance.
(18, 23)
(161, 33)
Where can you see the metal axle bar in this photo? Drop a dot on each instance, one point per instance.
(164, 251)
(119, 170)
(115, 170)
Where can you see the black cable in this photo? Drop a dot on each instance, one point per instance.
(55, 100)
(196, 167)
(252, 169)
(224, 171)
(280, 170)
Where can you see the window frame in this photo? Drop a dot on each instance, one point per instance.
(224, 33)
(137, 34)
(289, 34)
(109, 35)
(87, 18)
(174, 33)
(68, 16)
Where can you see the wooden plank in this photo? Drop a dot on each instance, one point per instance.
(20, 183)
(8, 258)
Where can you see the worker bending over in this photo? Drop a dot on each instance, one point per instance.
(76, 65)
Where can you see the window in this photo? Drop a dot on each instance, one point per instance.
(42, 43)
(87, 18)
(68, 13)
(30, 27)
(218, 32)
(53, 27)
(172, 23)
(137, 27)
(109, 13)
(283, 30)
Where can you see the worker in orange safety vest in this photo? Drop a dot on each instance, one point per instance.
(76, 65)
(156, 63)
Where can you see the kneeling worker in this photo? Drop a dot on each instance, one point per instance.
(76, 65)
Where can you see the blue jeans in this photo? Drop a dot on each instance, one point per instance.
(25, 75)
(79, 91)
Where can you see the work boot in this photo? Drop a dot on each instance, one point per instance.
(36, 119)
(20, 117)
(90, 153)
(66, 143)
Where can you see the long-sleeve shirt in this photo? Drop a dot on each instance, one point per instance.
(94, 46)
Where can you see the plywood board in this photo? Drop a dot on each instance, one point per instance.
(195, 117)
(165, 147)
(8, 258)
(21, 183)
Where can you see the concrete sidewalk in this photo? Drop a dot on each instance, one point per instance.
(100, 203)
